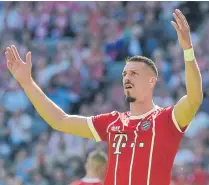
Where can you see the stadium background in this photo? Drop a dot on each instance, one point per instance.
(78, 51)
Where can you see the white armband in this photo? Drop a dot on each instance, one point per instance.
(189, 55)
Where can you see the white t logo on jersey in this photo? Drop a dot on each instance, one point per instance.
(119, 142)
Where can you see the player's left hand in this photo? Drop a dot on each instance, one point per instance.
(182, 28)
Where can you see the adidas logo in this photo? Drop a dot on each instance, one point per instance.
(115, 128)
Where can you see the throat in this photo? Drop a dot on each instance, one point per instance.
(141, 110)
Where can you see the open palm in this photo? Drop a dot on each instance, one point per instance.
(182, 28)
(20, 70)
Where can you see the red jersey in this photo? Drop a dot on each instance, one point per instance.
(141, 149)
(88, 181)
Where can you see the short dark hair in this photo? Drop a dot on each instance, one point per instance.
(145, 60)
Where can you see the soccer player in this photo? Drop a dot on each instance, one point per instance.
(142, 142)
(95, 169)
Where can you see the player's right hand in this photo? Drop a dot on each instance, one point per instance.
(20, 70)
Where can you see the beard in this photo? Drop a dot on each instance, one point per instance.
(129, 98)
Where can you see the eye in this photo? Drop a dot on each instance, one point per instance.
(134, 73)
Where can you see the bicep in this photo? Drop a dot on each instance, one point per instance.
(76, 125)
(88, 127)
(184, 112)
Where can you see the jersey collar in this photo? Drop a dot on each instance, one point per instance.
(91, 180)
(145, 114)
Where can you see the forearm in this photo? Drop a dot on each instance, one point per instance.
(54, 116)
(193, 77)
(188, 105)
(193, 82)
(49, 111)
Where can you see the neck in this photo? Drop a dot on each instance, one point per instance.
(139, 108)
(91, 175)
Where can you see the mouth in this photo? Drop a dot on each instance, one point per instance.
(128, 86)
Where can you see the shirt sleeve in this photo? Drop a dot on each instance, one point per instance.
(172, 122)
(98, 126)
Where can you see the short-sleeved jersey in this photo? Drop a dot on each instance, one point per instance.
(88, 181)
(141, 149)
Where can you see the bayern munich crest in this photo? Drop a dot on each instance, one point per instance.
(145, 125)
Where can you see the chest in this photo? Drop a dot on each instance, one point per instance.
(130, 127)
(129, 134)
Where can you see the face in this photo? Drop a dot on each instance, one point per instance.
(138, 81)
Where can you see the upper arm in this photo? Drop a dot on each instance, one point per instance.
(184, 111)
(88, 127)
(76, 125)
(175, 132)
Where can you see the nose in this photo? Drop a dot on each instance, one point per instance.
(126, 77)
(127, 80)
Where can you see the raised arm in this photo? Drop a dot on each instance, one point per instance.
(50, 112)
(186, 108)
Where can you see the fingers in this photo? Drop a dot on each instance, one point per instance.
(28, 58)
(180, 19)
(15, 52)
(9, 60)
(175, 26)
(183, 17)
(9, 65)
(13, 56)
(9, 55)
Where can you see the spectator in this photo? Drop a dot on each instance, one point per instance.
(95, 169)
(19, 127)
(135, 46)
(15, 99)
(75, 46)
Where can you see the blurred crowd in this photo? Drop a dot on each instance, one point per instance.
(78, 51)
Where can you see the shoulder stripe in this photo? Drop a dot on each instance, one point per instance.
(93, 130)
(176, 123)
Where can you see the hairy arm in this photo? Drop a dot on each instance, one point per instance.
(188, 105)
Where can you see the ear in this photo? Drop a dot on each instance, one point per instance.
(153, 81)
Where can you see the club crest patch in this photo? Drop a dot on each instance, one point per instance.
(145, 125)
